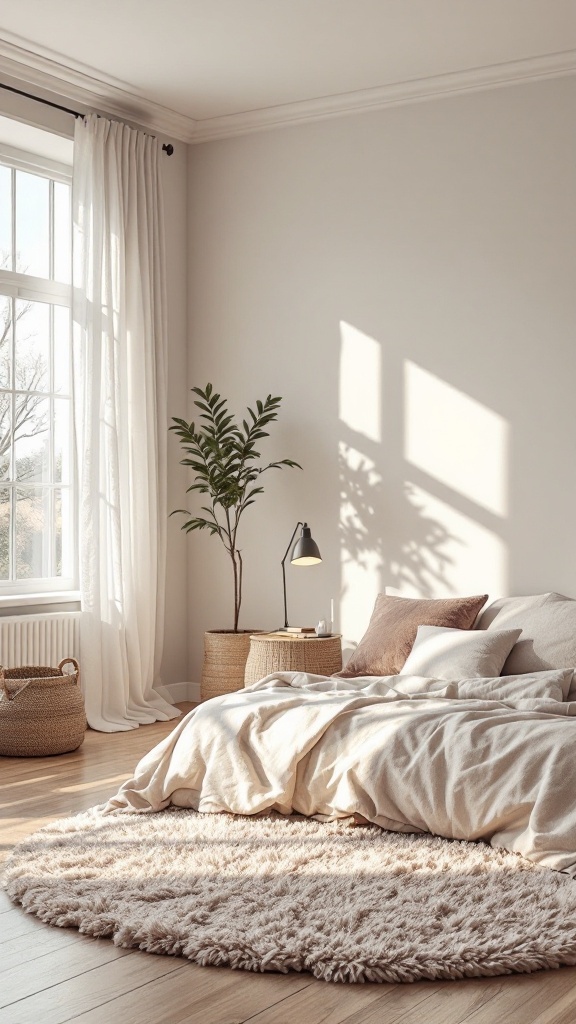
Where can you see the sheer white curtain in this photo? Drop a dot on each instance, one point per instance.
(119, 319)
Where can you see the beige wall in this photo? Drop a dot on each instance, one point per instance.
(405, 280)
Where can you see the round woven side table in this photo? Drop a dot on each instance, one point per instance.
(321, 655)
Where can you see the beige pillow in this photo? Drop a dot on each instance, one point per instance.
(441, 653)
(388, 640)
(548, 624)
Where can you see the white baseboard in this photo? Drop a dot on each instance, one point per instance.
(177, 692)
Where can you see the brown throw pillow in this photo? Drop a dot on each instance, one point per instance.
(388, 640)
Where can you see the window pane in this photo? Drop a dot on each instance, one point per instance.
(62, 349)
(64, 532)
(4, 533)
(5, 340)
(32, 346)
(37, 501)
(5, 435)
(32, 438)
(62, 232)
(62, 440)
(5, 218)
(32, 224)
(32, 534)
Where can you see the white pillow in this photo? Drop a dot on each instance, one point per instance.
(441, 653)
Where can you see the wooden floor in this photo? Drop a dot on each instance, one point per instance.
(51, 975)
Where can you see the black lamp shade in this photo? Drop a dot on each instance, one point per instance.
(305, 550)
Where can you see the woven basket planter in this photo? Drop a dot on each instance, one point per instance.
(225, 654)
(41, 710)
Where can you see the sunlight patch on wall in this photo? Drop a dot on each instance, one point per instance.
(360, 556)
(474, 559)
(456, 439)
(360, 382)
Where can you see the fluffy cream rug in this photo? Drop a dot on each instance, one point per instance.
(280, 894)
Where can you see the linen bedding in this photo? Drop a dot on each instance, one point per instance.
(491, 759)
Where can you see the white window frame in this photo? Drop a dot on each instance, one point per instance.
(24, 286)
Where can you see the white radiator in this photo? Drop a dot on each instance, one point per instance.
(39, 639)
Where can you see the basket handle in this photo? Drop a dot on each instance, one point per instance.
(3, 686)
(71, 661)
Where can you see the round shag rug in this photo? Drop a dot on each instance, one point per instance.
(281, 894)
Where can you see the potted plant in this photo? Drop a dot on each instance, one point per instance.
(227, 469)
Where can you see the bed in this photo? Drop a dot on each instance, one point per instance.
(471, 736)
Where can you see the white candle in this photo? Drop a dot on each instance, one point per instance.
(331, 614)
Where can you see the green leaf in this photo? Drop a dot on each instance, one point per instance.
(224, 460)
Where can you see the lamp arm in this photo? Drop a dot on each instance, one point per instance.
(284, 574)
(290, 541)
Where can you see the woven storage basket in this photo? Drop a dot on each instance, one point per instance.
(225, 656)
(41, 710)
(320, 656)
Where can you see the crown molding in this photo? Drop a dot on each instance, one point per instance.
(89, 89)
(553, 65)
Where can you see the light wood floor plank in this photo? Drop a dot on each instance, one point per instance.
(5, 903)
(561, 1012)
(462, 1001)
(325, 1003)
(54, 980)
(59, 1003)
(60, 965)
(526, 998)
(22, 950)
(199, 996)
(16, 923)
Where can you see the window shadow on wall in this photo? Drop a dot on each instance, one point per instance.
(423, 473)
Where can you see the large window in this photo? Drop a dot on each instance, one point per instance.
(37, 535)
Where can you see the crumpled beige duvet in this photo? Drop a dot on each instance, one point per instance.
(491, 759)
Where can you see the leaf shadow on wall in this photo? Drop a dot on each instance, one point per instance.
(409, 553)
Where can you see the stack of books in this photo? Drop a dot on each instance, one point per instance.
(295, 633)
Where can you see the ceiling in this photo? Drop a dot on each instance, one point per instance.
(209, 59)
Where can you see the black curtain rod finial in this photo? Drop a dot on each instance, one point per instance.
(168, 148)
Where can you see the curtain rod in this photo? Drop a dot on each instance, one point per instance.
(167, 146)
